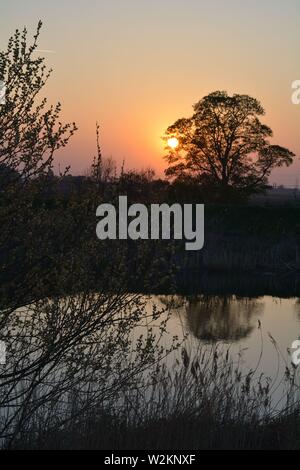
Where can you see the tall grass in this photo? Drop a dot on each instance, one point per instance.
(232, 253)
(207, 401)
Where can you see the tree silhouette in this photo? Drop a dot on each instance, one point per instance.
(30, 130)
(225, 145)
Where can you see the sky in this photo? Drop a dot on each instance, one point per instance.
(137, 66)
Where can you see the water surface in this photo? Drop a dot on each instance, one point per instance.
(258, 331)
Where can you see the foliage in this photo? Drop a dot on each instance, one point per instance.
(67, 310)
(225, 145)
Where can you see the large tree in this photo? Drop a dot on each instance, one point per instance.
(225, 144)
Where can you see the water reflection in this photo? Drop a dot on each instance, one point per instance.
(234, 320)
(222, 318)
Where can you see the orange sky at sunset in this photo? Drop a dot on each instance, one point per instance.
(136, 67)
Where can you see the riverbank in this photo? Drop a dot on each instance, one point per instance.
(247, 239)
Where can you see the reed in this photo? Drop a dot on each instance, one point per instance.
(206, 402)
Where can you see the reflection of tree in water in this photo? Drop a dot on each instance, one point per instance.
(215, 318)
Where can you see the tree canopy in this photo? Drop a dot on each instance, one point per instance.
(225, 145)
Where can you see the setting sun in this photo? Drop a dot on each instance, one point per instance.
(173, 143)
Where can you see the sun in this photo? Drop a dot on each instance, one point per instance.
(173, 143)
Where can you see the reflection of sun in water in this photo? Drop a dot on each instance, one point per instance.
(173, 142)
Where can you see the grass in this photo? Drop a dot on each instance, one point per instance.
(247, 239)
(206, 402)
